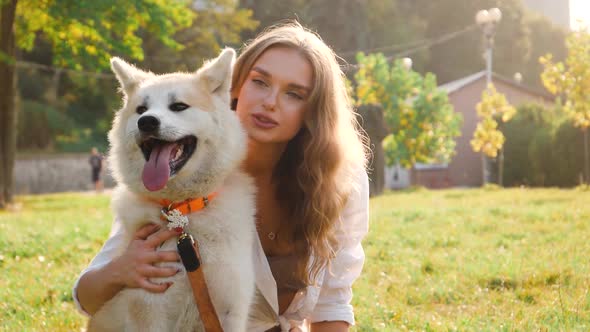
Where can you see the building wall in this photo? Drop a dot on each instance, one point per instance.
(465, 168)
(397, 177)
(433, 178)
(49, 174)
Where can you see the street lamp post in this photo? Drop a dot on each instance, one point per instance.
(407, 63)
(487, 20)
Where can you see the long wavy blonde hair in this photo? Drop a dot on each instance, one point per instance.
(317, 169)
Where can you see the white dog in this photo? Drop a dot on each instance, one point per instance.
(175, 139)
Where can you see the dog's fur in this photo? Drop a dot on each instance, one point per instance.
(224, 230)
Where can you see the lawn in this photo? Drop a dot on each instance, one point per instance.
(452, 260)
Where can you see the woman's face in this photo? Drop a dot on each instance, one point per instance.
(273, 99)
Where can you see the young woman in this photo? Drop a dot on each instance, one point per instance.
(307, 159)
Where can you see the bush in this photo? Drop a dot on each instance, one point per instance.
(38, 125)
(520, 133)
(568, 150)
(542, 148)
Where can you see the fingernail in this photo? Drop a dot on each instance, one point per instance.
(168, 284)
(178, 271)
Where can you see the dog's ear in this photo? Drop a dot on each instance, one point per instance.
(217, 73)
(128, 75)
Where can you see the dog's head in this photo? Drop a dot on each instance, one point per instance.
(175, 136)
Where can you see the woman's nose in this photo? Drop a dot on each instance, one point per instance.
(270, 101)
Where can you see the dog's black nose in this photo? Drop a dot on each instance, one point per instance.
(148, 124)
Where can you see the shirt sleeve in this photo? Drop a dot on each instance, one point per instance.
(110, 250)
(333, 303)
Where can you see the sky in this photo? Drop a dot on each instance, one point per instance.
(580, 9)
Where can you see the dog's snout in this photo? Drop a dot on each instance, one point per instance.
(148, 124)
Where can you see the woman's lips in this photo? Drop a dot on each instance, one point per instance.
(264, 121)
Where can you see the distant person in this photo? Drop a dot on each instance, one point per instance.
(96, 165)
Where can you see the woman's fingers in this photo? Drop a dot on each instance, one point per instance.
(145, 231)
(152, 287)
(155, 239)
(151, 271)
(162, 256)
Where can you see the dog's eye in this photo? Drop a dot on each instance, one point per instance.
(177, 107)
(141, 109)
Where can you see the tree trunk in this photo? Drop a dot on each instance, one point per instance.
(371, 119)
(484, 169)
(586, 166)
(501, 168)
(7, 101)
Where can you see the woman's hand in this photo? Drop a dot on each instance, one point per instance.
(137, 264)
(132, 269)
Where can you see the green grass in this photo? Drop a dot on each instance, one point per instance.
(453, 260)
(477, 260)
(43, 247)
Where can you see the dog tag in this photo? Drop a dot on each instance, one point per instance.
(176, 220)
(187, 252)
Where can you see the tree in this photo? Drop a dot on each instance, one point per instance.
(487, 139)
(83, 34)
(571, 80)
(421, 120)
(511, 41)
(545, 37)
(371, 120)
(217, 24)
(347, 26)
(7, 99)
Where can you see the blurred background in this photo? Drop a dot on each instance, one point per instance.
(64, 94)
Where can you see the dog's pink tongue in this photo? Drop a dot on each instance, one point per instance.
(157, 169)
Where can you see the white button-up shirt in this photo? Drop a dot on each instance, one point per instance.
(329, 300)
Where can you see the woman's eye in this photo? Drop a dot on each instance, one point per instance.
(294, 95)
(259, 82)
(141, 109)
(177, 107)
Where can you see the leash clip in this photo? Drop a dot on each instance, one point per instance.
(187, 251)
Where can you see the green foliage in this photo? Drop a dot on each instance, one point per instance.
(347, 26)
(571, 78)
(84, 34)
(533, 132)
(487, 138)
(161, 36)
(545, 37)
(566, 149)
(218, 24)
(529, 132)
(38, 124)
(81, 140)
(421, 120)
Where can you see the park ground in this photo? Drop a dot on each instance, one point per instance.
(450, 260)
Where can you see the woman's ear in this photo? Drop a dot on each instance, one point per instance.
(234, 104)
